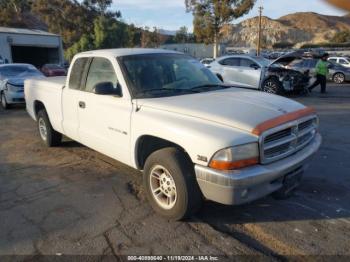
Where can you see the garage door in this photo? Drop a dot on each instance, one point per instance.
(37, 56)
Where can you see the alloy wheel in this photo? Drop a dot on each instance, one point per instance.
(339, 78)
(163, 187)
(270, 87)
(42, 129)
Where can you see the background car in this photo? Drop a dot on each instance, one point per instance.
(337, 73)
(53, 70)
(12, 78)
(259, 73)
(344, 61)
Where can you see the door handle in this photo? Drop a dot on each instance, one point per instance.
(82, 104)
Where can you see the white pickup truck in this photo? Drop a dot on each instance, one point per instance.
(193, 137)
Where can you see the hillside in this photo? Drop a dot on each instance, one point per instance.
(298, 28)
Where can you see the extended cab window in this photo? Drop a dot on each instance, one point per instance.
(101, 70)
(77, 73)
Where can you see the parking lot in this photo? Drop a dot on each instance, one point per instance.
(72, 200)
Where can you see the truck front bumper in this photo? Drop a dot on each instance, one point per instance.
(245, 185)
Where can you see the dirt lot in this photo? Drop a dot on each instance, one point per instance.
(72, 200)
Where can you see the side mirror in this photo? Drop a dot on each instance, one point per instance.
(107, 88)
(254, 66)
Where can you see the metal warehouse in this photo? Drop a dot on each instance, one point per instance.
(30, 46)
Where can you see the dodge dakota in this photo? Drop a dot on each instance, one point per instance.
(165, 114)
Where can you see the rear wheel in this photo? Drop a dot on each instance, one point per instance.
(170, 184)
(4, 103)
(339, 78)
(48, 135)
(273, 86)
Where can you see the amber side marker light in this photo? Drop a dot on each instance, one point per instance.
(261, 128)
(222, 165)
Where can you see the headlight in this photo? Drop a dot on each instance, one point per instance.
(236, 157)
(12, 88)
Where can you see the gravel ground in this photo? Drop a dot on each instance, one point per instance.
(71, 200)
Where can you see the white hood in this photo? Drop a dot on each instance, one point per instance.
(234, 107)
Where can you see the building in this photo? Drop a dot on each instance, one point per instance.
(34, 47)
(196, 50)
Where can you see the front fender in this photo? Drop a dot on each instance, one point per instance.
(201, 139)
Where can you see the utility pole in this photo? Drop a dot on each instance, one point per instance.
(258, 51)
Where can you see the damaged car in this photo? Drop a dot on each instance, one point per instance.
(259, 73)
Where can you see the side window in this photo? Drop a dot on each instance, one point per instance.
(230, 62)
(333, 60)
(101, 70)
(248, 63)
(343, 61)
(77, 73)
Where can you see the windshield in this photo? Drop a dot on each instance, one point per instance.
(159, 75)
(18, 71)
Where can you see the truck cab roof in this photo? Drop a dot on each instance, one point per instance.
(126, 52)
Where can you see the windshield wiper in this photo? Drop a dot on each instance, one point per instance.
(208, 86)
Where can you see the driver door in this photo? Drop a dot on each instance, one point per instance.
(104, 119)
(231, 74)
(250, 73)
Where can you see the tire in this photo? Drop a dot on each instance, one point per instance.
(4, 103)
(48, 135)
(273, 86)
(339, 78)
(171, 169)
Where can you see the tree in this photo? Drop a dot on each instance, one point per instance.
(150, 38)
(67, 18)
(134, 36)
(211, 15)
(12, 12)
(85, 43)
(182, 35)
(109, 33)
(100, 7)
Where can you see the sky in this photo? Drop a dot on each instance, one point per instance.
(171, 14)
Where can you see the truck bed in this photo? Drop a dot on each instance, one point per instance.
(49, 90)
(57, 80)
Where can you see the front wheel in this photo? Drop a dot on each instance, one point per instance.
(4, 103)
(48, 135)
(272, 86)
(170, 184)
(339, 78)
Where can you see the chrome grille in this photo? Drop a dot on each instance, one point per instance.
(287, 139)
